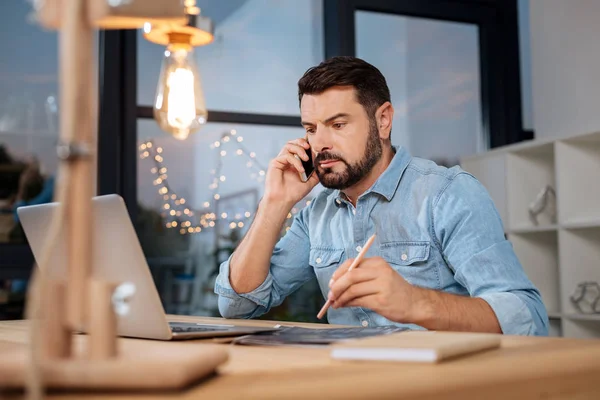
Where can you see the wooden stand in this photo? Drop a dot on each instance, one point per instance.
(98, 360)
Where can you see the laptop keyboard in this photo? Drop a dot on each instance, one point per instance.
(191, 327)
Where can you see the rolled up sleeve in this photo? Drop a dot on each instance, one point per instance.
(469, 232)
(288, 271)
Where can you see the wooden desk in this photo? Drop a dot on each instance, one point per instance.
(524, 367)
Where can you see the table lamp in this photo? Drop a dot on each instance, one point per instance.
(58, 357)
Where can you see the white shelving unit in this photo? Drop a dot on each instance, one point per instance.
(563, 248)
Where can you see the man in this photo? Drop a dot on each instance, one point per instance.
(440, 260)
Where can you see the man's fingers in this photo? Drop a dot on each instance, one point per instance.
(341, 270)
(295, 149)
(354, 292)
(370, 301)
(302, 142)
(284, 161)
(343, 283)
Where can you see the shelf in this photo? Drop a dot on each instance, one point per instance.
(538, 254)
(582, 317)
(590, 224)
(529, 171)
(579, 257)
(561, 250)
(534, 229)
(577, 177)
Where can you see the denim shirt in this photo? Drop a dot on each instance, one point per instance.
(437, 227)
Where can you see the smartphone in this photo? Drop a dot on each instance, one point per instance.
(308, 166)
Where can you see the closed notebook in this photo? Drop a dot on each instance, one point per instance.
(415, 346)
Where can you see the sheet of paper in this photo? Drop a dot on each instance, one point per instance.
(295, 336)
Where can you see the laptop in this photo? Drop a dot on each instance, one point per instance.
(118, 257)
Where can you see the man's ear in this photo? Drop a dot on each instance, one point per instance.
(384, 116)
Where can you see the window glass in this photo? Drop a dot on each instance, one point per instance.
(261, 49)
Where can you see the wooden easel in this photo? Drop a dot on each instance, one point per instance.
(98, 360)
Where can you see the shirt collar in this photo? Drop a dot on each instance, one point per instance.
(388, 181)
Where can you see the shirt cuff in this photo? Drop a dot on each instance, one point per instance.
(260, 296)
(512, 313)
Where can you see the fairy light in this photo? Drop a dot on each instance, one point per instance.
(173, 205)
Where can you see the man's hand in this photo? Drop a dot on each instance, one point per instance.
(283, 183)
(373, 285)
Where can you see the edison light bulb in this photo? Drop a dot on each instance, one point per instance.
(179, 104)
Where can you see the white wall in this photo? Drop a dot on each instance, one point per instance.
(565, 58)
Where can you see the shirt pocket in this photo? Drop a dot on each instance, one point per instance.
(325, 262)
(411, 259)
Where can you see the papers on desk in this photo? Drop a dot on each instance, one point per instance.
(415, 346)
(294, 336)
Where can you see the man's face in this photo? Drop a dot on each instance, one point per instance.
(345, 143)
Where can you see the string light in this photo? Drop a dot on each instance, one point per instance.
(173, 203)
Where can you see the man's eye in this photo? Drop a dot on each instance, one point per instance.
(310, 131)
(339, 125)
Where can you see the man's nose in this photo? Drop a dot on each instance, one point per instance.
(321, 140)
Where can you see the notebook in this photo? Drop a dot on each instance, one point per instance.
(415, 346)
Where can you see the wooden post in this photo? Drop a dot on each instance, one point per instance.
(102, 320)
(78, 123)
(56, 336)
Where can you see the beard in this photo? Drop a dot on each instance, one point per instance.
(353, 173)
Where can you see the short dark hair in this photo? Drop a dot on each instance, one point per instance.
(370, 85)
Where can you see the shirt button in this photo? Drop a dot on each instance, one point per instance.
(358, 248)
(404, 257)
(354, 211)
(318, 260)
(365, 323)
(338, 202)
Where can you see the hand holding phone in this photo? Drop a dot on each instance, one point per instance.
(308, 166)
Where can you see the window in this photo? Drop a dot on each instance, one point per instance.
(432, 69)
(28, 116)
(196, 199)
(260, 50)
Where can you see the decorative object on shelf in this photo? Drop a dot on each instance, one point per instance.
(586, 298)
(545, 201)
(179, 106)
